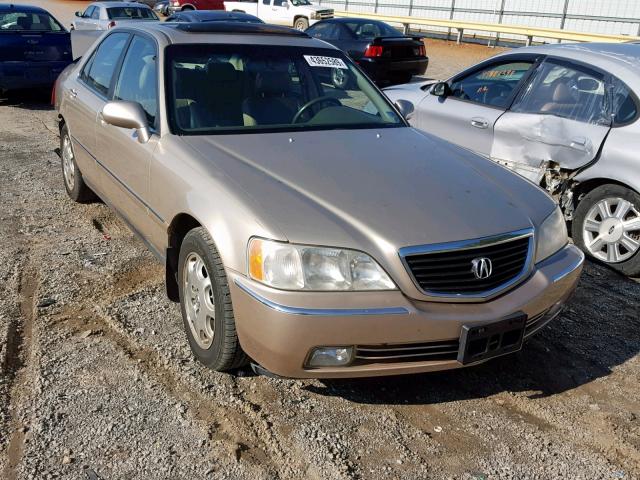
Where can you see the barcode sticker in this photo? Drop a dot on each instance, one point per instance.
(331, 62)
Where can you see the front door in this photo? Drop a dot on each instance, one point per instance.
(125, 160)
(477, 99)
(560, 117)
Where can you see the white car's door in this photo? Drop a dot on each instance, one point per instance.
(561, 116)
(475, 100)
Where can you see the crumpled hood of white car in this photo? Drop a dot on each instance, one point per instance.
(395, 186)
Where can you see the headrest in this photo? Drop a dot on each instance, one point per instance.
(221, 72)
(24, 22)
(273, 83)
(563, 94)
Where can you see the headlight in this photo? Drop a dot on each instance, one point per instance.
(314, 15)
(301, 267)
(551, 236)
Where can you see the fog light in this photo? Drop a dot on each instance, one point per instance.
(330, 357)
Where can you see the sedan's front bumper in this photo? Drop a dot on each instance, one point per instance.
(279, 329)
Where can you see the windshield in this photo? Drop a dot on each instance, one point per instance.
(371, 29)
(134, 13)
(34, 22)
(243, 89)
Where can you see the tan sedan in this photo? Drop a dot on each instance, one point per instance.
(306, 227)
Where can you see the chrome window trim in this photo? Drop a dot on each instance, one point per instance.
(322, 312)
(470, 245)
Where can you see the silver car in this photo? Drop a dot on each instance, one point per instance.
(301, 225)
(563, 116)
(106, 15)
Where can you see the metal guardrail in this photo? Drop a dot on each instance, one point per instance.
(461, 26)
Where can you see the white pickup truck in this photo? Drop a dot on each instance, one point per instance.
(299, 14)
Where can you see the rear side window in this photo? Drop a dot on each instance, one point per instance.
(625, 109)
(567, 91)
(491, 85)
(138, 81)
(98, 72)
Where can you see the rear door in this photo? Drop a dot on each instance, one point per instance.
(478, 98)
(561, 116)
(274, 12)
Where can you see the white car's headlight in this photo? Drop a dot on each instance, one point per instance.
(551, 236)
(301, 267)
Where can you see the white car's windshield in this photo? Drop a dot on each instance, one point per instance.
(241, 88)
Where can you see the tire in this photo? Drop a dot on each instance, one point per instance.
(606, 226)
(301, 24)
(74, 184)
(341, 78)
(204, 292)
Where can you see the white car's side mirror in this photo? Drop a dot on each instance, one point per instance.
(127, 115)
(406, 108)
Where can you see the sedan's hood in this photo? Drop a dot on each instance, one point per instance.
(394, 187)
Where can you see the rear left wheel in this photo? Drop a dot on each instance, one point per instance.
(206, 305)
(606, 226)
(74, 183)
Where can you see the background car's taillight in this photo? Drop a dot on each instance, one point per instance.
(421, 51)
(373, 51)
(175, 3)
(111, 24)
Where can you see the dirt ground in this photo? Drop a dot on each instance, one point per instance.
(97, 382)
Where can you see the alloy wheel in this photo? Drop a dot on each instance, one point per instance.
(68, 166)
(198, 300)
(611, 230)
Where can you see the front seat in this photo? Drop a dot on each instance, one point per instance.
(273, 102)
(562, 100)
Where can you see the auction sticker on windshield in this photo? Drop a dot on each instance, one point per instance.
(331, 62)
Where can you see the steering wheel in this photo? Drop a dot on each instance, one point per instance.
(313, 102)
(496, 90)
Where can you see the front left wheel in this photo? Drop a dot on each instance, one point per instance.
(301, 24)
(205, 300)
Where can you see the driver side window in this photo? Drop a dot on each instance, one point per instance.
(491, 85)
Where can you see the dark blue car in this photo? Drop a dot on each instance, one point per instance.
(34, 47)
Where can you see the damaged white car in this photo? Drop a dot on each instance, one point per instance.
(563, 116)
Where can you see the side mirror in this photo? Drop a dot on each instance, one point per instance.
(406, 108)
(285, 4)
(441, 89)
(79, 14)
(127, 115)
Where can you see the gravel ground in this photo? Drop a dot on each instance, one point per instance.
(97, 382)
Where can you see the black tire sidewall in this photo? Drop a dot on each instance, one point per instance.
(211, 357)
(628, 267)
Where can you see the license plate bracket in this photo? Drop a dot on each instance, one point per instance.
(482, 342)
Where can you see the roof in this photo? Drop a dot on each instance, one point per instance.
(225, 33)
(216, 15)
(119, 4)
(4, 7)
(237, 28)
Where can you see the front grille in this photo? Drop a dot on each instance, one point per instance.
(324, 14)
(407, 352)
(449, 272)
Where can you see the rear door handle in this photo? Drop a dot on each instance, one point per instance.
(73, 93)
(479, 122)
(579, 141)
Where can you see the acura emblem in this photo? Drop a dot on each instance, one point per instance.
(481, 268)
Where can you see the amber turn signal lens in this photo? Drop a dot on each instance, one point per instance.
(255, 259)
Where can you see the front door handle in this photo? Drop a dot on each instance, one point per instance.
(73, 93)
(579, 141)
(479, 122)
